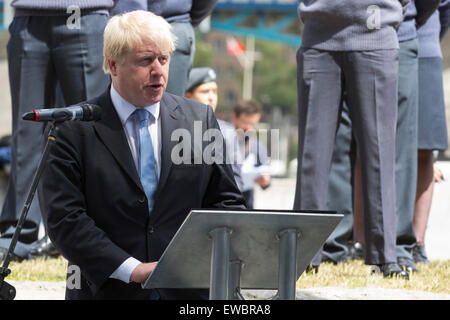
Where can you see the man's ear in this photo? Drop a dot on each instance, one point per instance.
(112, 67)
(188, 95)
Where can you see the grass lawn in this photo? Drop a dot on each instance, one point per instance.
(434, 277)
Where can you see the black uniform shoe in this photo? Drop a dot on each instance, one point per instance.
(419, 254)
(43, 248)
(407, 264)
(343, 259)
(390, 270)
(312, 269)
(356, 250)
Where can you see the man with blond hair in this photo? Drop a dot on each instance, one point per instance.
(113, 194)
(184, 16)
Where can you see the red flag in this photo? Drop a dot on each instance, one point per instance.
(235, 47)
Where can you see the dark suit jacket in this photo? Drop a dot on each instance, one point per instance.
(95, 208)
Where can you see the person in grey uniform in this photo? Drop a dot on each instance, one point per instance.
(432, 133)
(183, 16)
(50, 41)
(340, 192)
(351, 46)
(202, 86)
(407, 129)
(339, 246)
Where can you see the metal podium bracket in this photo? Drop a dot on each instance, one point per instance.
(220, 263)
(226, 275)
(234, 288)
(287, 264)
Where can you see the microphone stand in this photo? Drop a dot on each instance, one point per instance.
(7, 291)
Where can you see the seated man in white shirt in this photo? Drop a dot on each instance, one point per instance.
(255, 170)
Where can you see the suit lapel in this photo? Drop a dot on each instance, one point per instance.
(111, 132)
(171, 115)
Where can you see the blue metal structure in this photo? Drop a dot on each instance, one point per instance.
(2, 18)
(257, 4)
(239, 11)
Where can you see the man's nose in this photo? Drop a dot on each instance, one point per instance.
(156, 67)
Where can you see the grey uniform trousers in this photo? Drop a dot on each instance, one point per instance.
(370, 80)
(42, 51)
(182, 58)
(340, 195)
(340, 190)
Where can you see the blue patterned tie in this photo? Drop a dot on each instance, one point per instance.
(147, 172)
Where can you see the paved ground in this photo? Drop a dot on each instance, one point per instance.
(55, 291)
(5, 100)
(27, 290)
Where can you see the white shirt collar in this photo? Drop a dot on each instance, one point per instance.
(126, 109)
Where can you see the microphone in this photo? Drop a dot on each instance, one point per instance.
(84, 112)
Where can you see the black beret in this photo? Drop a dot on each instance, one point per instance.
(200, 76)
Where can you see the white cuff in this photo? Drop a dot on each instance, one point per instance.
(124, 271)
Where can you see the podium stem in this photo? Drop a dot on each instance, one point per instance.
(220, 264)
(288, 264)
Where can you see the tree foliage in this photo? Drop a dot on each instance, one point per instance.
(275, 77)
(203, 52)
(274, 74)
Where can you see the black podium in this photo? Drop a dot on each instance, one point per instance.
(226, 251)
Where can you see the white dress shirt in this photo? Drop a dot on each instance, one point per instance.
(125, 111)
